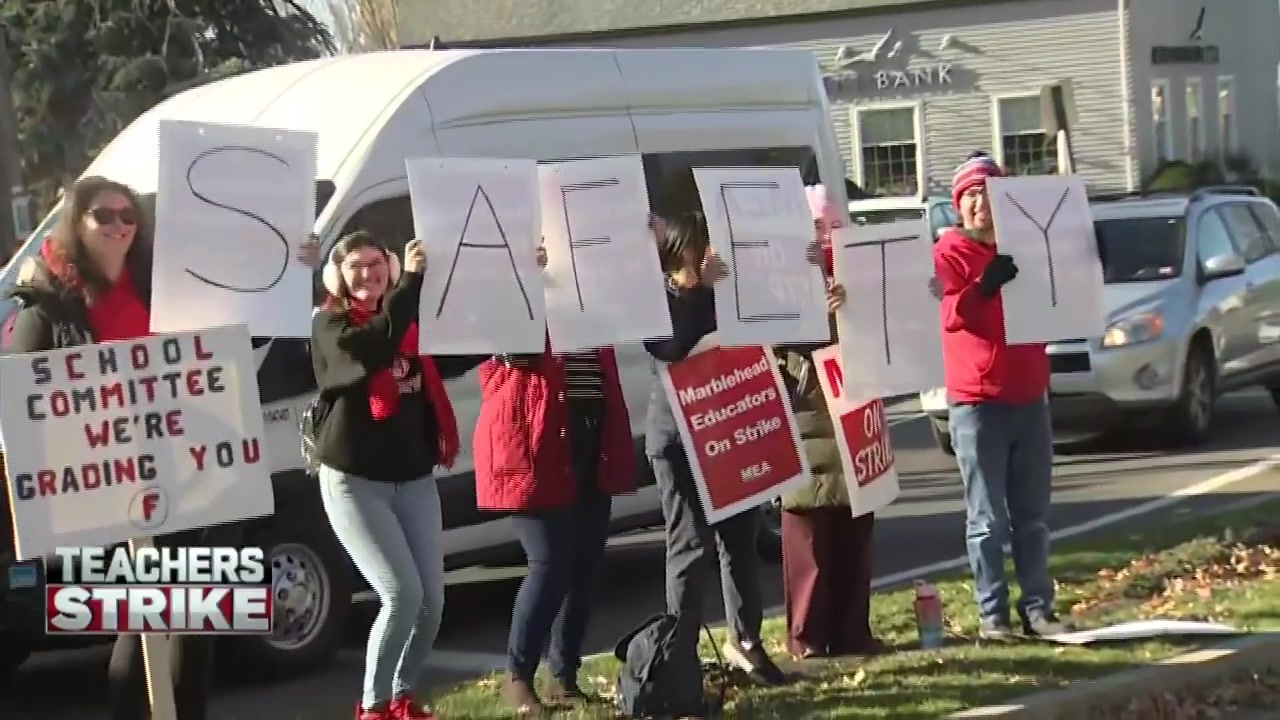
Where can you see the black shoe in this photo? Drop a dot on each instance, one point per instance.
(750, 658)
(998, 629)
(1041, 624)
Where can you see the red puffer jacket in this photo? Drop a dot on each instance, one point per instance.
(521, 446)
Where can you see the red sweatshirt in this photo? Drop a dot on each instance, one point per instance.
(977, 363)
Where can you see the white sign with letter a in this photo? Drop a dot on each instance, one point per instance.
(862, 434)
(234, 207)
(105, 443)
(761, 227)
(480, 225)
(604, 282)
(1044, 223)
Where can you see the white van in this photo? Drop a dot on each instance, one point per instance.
(678, 108)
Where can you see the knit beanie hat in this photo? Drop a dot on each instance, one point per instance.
(822, 208)
(972, 172)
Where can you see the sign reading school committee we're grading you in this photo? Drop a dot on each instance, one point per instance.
(104, 443)
(735, 419)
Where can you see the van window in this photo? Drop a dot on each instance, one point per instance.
(669, 176)
(389, 220)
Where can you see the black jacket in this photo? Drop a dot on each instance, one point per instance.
(402, 447)
(50, 316)
(693, 316)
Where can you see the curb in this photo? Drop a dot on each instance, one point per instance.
(1192, 669)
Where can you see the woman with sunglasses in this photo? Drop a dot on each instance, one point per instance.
(91, 283)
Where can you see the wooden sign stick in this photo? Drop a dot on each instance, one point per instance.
(157, 661)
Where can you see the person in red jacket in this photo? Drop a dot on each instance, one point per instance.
(999, 415)
(552, 445)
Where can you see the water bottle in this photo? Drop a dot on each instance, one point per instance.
(929, 616)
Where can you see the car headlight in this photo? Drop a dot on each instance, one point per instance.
(1139, 328)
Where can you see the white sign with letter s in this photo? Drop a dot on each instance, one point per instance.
(234, 207)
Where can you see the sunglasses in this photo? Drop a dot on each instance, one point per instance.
(109, 216)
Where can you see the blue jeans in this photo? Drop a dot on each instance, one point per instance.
(392, 531)
(1005, 453)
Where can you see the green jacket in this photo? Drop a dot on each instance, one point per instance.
(817, 433)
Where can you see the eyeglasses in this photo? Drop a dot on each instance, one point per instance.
(109, 216)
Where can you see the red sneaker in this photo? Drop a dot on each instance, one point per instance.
(404, 708)
(386, 712)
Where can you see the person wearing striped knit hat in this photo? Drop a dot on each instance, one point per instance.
(999, 415)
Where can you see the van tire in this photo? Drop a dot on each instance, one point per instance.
(310, 567)
(942, 435)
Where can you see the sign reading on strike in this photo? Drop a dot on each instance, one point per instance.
(862, 434)
(195, 590)
(109, 442)
(738, 430)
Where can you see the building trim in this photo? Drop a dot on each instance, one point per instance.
(443, 42)
(1132, 158)
(1198, 137)
(1163, 147)
(1234, 137)
(918, 125)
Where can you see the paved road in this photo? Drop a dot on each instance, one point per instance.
(923, 527)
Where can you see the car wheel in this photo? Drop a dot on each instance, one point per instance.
(14, 651)
(311, 589)
(942, 435)
(769, 539)
(1191, 419)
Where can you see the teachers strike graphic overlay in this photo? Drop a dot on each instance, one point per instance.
(187, 590)
(738, 423)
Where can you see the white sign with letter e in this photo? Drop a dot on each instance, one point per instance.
(862, 434)
(480, 225)
(604, 282)
(888, 327)
(105, 443)
(761, 227)
(234, 207)
(1043, 222)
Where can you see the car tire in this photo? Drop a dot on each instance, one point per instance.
(1190, 421)
(942, 435)
(312, 585)
(14, 651)
(769, 537)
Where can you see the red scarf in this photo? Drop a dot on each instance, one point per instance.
(384, 394)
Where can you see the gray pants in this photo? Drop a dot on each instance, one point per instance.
(689, 545)
(392, 531)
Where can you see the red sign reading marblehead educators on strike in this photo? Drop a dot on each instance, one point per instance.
(737, 426)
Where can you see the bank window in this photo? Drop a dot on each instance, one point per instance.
(1227, 140)
(1161, 133)
(1025, 149)
(669, 176)
(1195, 118)
(888, 150)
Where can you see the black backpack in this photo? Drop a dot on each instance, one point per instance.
(661, 675)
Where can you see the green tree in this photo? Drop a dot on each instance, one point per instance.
(84, 69)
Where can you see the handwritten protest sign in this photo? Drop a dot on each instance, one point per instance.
(235, 205)
(604, 282)
(1044, 223)
(889, 327)
(761, 226)
(740, 435)
(862, 434)
(104, 443)
(479, 219)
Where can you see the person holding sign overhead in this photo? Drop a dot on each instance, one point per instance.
(384, 423)
(826, 551)
(999, 415)
(552, 447)
(92, 284)
(692, 269)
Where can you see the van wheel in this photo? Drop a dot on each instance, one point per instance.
(1190, 420)
(312, 583)
(942, 435)
(769, 538)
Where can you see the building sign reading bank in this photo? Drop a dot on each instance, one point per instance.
(855, 83)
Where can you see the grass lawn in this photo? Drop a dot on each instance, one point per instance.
(1218, 567)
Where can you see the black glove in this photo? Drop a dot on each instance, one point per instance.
(999, 271)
